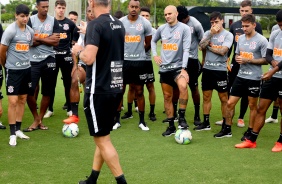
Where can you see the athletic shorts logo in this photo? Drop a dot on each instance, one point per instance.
(47, 27)
(22, 47)
(66, 27)
(139, 27)
(221, 38)
(253, 45)
(10, 89)
(176, 35)
(29, 84)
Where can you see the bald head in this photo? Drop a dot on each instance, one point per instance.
(170, 13)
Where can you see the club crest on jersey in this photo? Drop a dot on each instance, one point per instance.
(139, 27)
(253, 45)
(176, 35)
(221, 38)
(28, 37)
(47, 27)
(10, 89)
(66, 27)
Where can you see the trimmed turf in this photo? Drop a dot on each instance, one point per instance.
(146, 157)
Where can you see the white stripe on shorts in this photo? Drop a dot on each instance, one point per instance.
(92, 109)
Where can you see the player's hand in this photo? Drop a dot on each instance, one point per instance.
(274, 63)
(158, 60)
(215, 29)
(268, 75)
(183, 74)
(76, 48)
(239, 59)
(82, 27)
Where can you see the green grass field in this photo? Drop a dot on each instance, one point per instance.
(146, 157)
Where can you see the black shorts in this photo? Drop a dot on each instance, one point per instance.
(233, 73)
(1, 81)
(138, 72)
(169, 77)
(242, 87)
(46, 70)
(271, 89)
(100, 110)
(212, 79)
(18, 82)
(194, 71)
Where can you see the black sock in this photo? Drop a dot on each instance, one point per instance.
(121, 179)
(18, 125)
(175, 109)
(135, 102)
(129, 106)
(181, 113)
(206, 118)
(227, 128)
(141, 116)
(117, 119)
(253, 136)
(274, 112)
(197, 111)
(280, 138)
(93, 176)
(243, 107)
(170, 122)
(74, 108)
(152, 109)
(12, 129)
(223, 124)
(249, 130)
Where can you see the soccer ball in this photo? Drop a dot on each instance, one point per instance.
(183, 136)
(70, 130)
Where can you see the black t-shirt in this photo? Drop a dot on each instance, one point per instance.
(66, 33)
(1, 31)
(105, 75)
(236, 30)
(75, 34)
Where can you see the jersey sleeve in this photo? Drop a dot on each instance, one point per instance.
(271, 39)
(155, 39)
(237, 51)
(199, 31)
(147, 27)
(186, 45)
(93, 34)
(228, 41)
(263, 47)
(8, 36)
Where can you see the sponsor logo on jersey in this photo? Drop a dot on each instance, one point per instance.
(47, 27)
(22, 47)
(208, 63)
(247, 55)
(63, 36)
(66, 27)
(19, 64)
(253, 45)
(132, 38)
(170, 46)
(221, 38)
(113, 26)
(237, 37)
(41, 35)
(39, 56)
(216, 46)
(277, 52)
(176, 35)
(139, 27)
(127, 55)
(243, 72)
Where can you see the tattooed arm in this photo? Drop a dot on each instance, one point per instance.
(220, 51)
(205, 42)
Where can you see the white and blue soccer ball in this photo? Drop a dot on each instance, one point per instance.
(183, 136)
(70, 130)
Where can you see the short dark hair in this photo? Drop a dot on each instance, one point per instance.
(104, 3)
(145, 9)
(38, 1)
(34, 12)
(279, 16)
(73, 13)
(22, 9)
(246, 3)
(183, 13)
(118, 14)
(60, 2)
(248, 18)
(214, 15)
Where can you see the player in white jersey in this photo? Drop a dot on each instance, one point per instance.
(176, 40)
(270, 90)
(216, 41)
(194, 68)
(250, 54)
(14, 56)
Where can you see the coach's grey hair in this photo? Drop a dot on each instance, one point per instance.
(105, 3)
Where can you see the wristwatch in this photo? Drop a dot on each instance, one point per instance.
(78, 53)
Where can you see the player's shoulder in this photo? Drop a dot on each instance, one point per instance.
(29, 29)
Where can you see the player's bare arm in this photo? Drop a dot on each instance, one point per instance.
(147, 45)
(87, 55)
(220, 51)
(3, 55)
(205, 42)
(52, 40)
